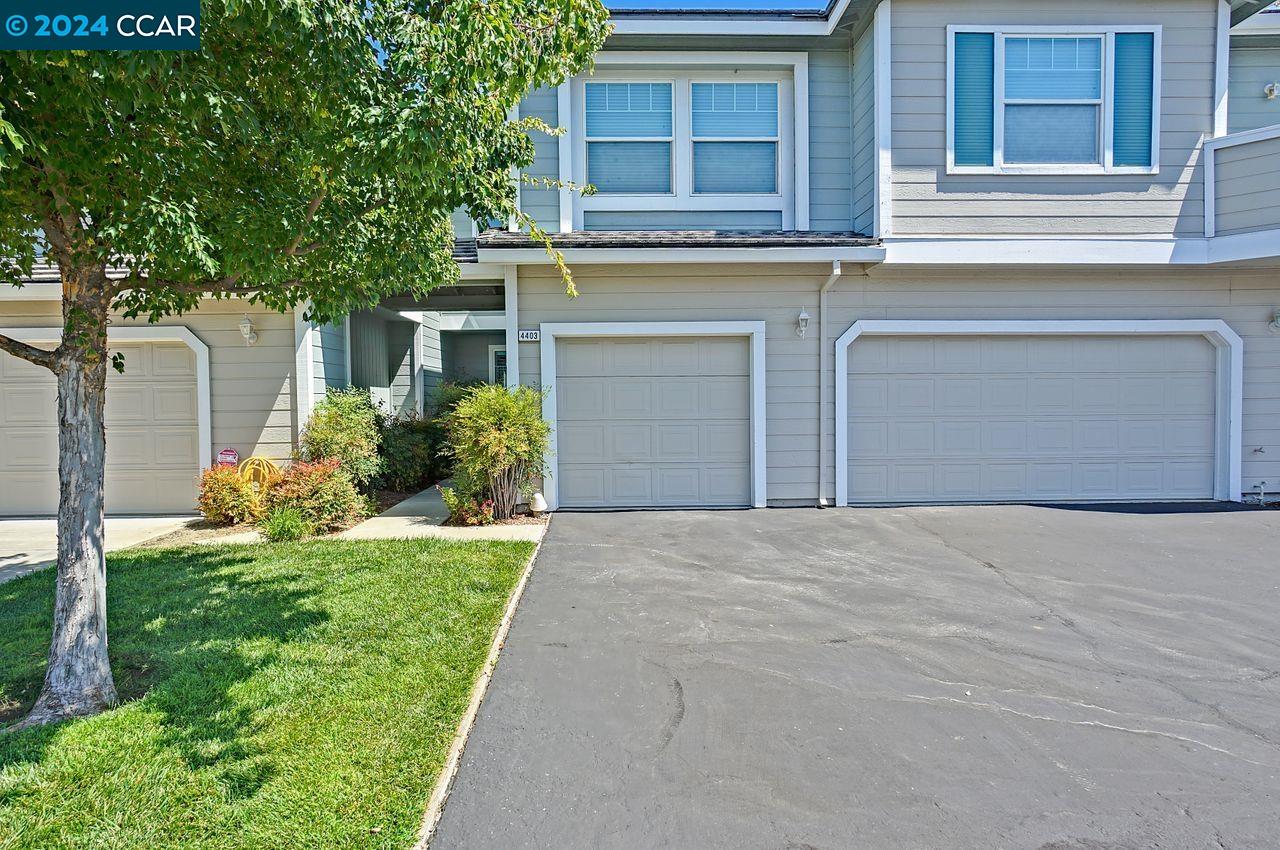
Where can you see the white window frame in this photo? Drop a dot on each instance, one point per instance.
(493, 363)
(1106, 164)
(788, 69)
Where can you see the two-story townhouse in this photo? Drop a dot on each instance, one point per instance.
(894, 251)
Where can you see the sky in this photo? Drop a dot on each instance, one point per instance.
(716, 4)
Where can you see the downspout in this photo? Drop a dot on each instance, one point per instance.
(823, 354)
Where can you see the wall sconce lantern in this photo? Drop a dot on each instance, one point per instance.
(1274, 327)
(802, 323)
(246, 330)
(1271, 91)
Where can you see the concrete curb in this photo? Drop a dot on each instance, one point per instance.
(444, 782)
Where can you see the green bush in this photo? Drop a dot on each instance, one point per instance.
(226, 497)
(411, 453)
(322, 493)
(283, 523)
(498, 437)
(345, 426)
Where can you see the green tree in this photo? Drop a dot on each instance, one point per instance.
(310, 152)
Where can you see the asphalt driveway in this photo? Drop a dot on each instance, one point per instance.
(924, 677)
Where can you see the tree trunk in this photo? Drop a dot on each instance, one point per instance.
(78, 680)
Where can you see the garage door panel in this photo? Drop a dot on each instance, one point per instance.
(1053, 418)
(663, 422)
(28, 448)
(128, 404)
(173, 361)
(27, 405)
(174, 403)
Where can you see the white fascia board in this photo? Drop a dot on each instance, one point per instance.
(1030, 251)
(684, 25)
(1260, 245)
(473, 320)
(480, 271)
(827, 254)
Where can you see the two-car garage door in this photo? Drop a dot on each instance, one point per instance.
(152, 433)
(1030, 418)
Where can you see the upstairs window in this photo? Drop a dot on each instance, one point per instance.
(1053, 102)
(629, 131)
(671, 141)
(735, 138)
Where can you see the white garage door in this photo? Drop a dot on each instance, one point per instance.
(646, 422)
(1034, 418)
(152, 433)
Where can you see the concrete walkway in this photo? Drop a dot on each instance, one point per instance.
(27, 545)
(422, 515)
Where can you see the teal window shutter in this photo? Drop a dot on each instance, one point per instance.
(973, 98)
(1132, 121)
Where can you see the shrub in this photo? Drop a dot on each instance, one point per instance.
(467, 502)
(227, 497)
(345, 426)
(497, 436)
(321, 492)
(284, 523)
(411, 453)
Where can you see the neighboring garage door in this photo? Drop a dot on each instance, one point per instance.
(152, 433)
(1030, 418)
(647, 422)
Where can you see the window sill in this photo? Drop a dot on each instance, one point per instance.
(1054, 170)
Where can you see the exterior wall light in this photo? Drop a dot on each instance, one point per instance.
(1271, 90)
(802, 323)
(246, 330)
(1274, 327)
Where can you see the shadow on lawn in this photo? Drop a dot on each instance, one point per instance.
(186, 627)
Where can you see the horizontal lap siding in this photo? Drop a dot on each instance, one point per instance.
(864, 133)
(830, 142)
(432, 362)
(543, 205)
(1247, 188)
(1252, 70)
(251, 388)
(928, 201)
(776, 293)
(329, 355)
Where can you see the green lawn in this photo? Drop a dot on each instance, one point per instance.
(297, 695)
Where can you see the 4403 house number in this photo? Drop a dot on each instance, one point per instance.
(524, 335)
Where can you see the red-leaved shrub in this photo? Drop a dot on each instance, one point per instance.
(321, 491)
(227, 497)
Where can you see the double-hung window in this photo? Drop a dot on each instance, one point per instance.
(629, 130)
(1041, 101)
(686, 148)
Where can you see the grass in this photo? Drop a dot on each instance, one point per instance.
(276, 696)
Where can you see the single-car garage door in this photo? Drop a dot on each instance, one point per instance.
(1030, 418)
(152, 433)
(653, 421)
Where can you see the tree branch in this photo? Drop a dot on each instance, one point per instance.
(292, 248)
(30, 353)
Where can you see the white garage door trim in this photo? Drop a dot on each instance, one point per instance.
(1230, 375)
(159, 333)
(551, 331)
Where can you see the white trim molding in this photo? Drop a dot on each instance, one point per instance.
(790, 70)
(882, 51)
(1106, 103)
(818, 254)
(473, 320)
(154, 333)
(510, 279)
(1210, 155)
(1230, 375)
(493, 365)
(304, 368)
(551, 331)
(1221, 69)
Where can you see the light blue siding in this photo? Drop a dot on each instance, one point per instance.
(542, 205)
(830, 141)
(328, 351)
(683, 220)
(431, 359)
(863, 96)
(403, 383)
(1252, 70)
